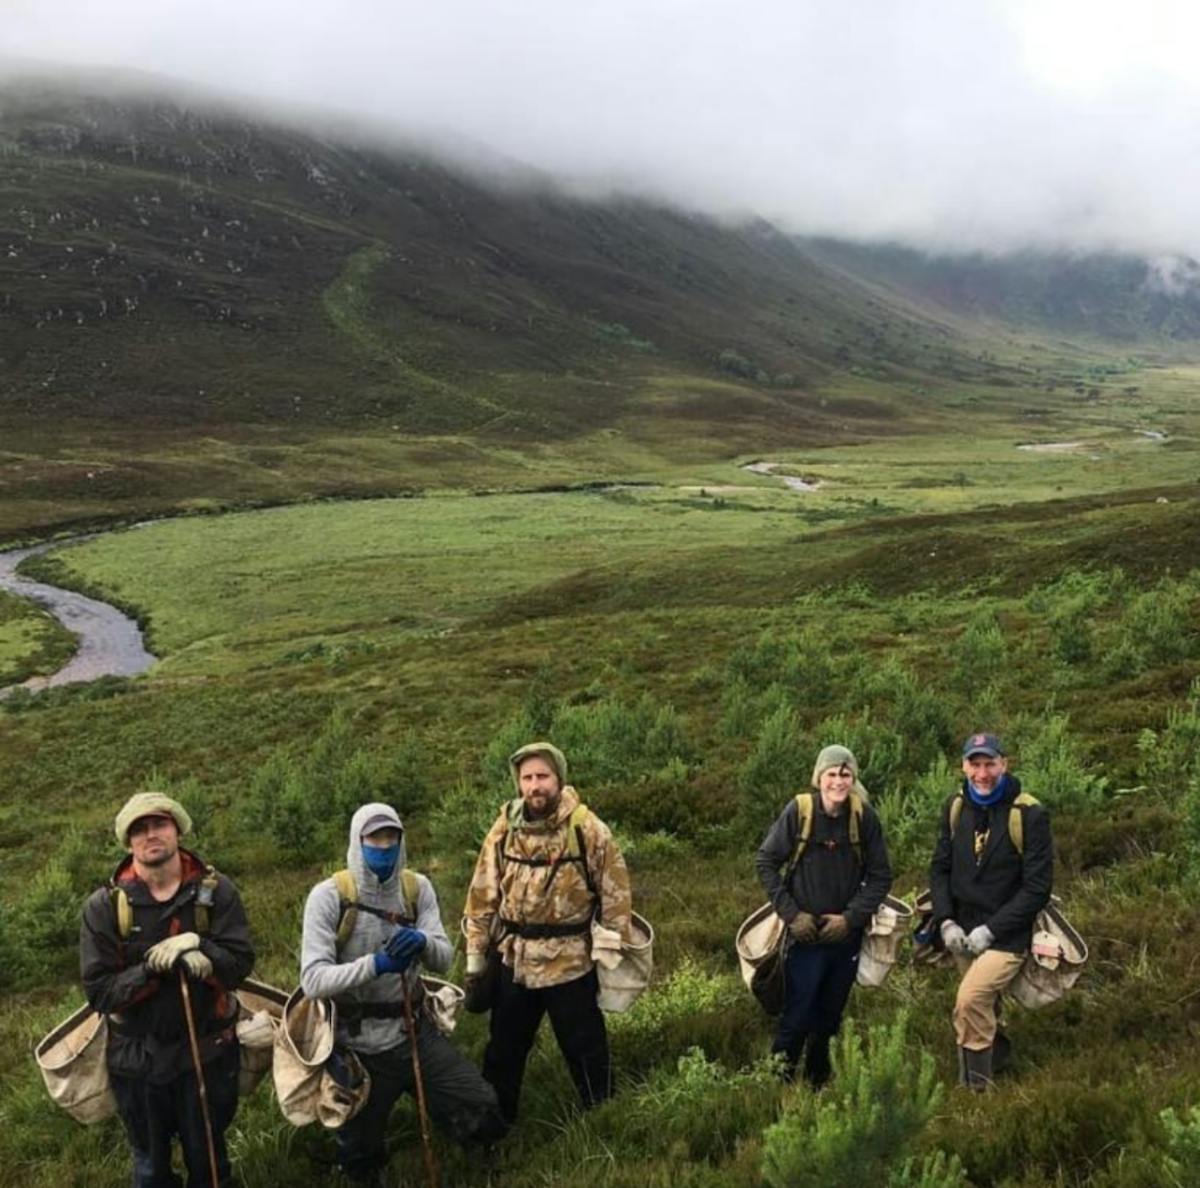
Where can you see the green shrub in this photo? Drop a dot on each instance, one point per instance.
(1167, 759)
(1052, 768)
(1181, 1159)
(810, 665)
(779, 766)
(1154, 630)
(459, 821)
(303, 798)
(865, 1123)
(980, 651)
(910, 815)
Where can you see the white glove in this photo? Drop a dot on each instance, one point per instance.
(162, 956)
(980, 940)
(476, 963)
(198, 966)
(954, 938)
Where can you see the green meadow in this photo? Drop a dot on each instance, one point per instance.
(690, 636)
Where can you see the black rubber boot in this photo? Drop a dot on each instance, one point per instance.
(817, 1065)
(977, 1069)
(1001, 1053)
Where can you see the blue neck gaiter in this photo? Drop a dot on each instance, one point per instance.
(381, 860)
(992, 797)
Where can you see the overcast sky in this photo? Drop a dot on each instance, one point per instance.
(988, 123)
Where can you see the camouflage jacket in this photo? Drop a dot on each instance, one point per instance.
(506, 889)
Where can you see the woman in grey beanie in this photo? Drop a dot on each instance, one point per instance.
(824, 866)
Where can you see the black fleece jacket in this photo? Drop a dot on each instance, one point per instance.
(148, 1028)
(1003, 889)
(829, 878)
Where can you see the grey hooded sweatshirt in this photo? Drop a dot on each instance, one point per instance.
(349, 976)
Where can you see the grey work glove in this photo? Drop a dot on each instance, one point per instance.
(162, 956)
(834, 929)
(954, 939)
(803, 928)
(197, 966)
(979, 940)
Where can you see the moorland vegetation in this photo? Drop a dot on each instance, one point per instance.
(690, 636)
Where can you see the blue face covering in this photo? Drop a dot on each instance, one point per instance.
(993, 796)
(381, 860)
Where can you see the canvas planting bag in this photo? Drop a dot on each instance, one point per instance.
(310, 1084)
(881, 941)
(74, 1065)
(622, 980)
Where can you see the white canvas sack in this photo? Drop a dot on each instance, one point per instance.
(623, 967)
(73, 1060)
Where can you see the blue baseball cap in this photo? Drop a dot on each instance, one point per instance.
(983, 744)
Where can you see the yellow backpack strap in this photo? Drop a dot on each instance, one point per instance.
(412, 889)
(575, 846)
(956, 807)
(122, 910)
(204, 901)
(856, 816)
(1016, 821)
(576, 849)
(804, 819)
(343, 880)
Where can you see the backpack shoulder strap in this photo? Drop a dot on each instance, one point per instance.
(347, 891)
(575, 843)
(577, 847)
(804, 820)
(856, 816)
(1016, 820)
(411, 888)
(955, 813)
(122, 910)
(204, 900)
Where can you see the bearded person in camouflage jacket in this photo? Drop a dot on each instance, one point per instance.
(549, 899)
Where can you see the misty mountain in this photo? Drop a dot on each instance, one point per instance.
(187, 262)
(1119, 297)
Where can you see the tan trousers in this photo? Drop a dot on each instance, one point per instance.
(976, 1009)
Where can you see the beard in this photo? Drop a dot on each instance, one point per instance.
(542, 805)
(159, 858)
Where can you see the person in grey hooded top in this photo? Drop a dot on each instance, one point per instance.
(365, 977)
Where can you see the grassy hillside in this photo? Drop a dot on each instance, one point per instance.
(691, 645)
(201, 306)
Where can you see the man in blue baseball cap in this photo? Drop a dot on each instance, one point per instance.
(991, 874)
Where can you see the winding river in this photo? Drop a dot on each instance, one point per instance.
(110, 642)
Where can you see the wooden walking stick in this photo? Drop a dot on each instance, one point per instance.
(431, 1170)
(195, 1044)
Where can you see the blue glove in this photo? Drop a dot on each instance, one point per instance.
(385, 963)
(405, 943)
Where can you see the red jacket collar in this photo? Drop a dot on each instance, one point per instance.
(193, 869)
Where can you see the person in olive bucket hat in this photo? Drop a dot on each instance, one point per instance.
(548, 867)
(164, 914)
(826, 881)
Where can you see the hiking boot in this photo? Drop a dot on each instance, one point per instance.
(1001, 1053)
(817, 1066)
(976, 1069)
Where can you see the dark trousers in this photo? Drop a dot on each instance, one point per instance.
(153, 1114)
(818, 980)
(460, 1101)
(578, 1026)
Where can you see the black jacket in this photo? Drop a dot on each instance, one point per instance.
(1004, 889)
(829, 878)
(147, 1025)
